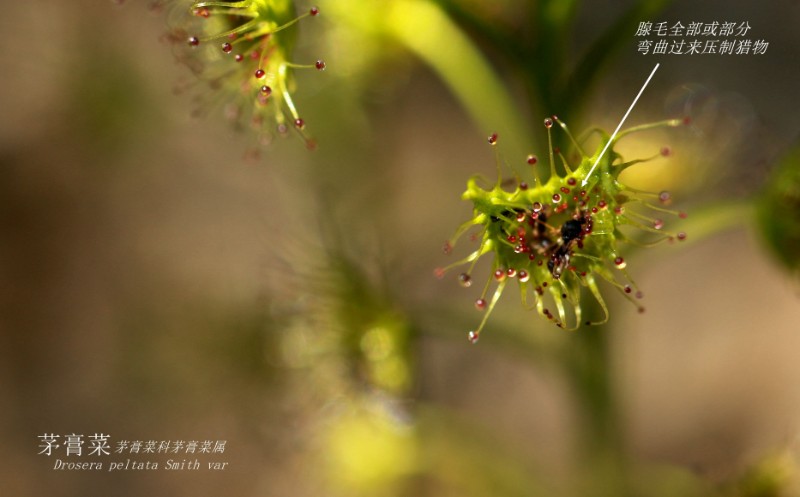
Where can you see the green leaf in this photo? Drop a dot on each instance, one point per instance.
(779, 210)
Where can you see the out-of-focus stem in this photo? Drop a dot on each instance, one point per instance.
(716, 218)
(428, 32)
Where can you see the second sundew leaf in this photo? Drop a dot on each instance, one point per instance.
(243, 51)
(563, 233)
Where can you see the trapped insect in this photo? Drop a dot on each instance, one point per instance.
(556, 236)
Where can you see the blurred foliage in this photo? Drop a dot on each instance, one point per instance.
(375, 336)
(775, 475)
(779, 211)
(536, 47)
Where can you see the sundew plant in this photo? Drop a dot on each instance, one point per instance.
(446, 169)
(558, 234)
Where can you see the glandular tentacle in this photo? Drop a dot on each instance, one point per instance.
(555, 237)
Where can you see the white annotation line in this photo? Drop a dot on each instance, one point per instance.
(613, 135)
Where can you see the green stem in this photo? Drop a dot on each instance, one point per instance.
(553, 21)
(599, 55)
(588, 366)
(717, 218)
(427, 31)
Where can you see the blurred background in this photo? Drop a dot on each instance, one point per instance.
(161, 281)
